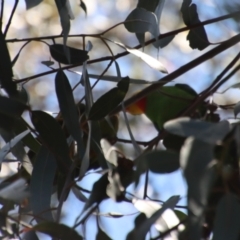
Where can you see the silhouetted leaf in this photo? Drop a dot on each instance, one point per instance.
(101, 235)
(140, 21)
(30, 236)
(29, 141)
(57, 230)
(141, 218)
(53, 138)
(197, 37)
(226, 225)
(143, 229)
(65, 13)
(195, 159)
(69, 109)
(110, 100)
(83, 6)
(41, 185)
(204, 131)
(236, 109)
(157, 162)
(12, 107)
(76, 55)
(6, 73)
(98, 192)
(32, 3)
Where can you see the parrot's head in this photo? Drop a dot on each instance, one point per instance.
(138, 107)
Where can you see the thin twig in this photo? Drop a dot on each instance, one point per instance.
(185, 68)
(107, 58)
(10, 18)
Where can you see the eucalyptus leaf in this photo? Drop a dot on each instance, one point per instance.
(197, 36)
(196, 160)
(69, 109)
(142, 230)
(110, 100)
(41, 185)
(204, 131)
(53, 138)
(32, 3)
(76, 56)
(152, 62)
(226, 225)
(57, 230)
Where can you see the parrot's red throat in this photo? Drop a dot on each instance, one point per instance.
(138, 107)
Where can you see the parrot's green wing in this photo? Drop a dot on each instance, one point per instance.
(167, 103)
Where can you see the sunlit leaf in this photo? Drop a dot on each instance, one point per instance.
(6, 73)
(41, 185)
(226, 225)
(197, 37)
(57, 230)
(15, 191)
(52, 136)
(109, 152)
(7, 148)
(152, 62)
(143, 229)
(75, 55)
(110, 100)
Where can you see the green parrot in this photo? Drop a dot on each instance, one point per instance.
(165, 104)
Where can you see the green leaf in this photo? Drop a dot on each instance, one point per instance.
(57, 230)
(69, 109)
(143, 229)
(226, 225)
(110, 100)
(53, 138)
(41, 185)
(197, 37)
(76, 56)
(6, 73)
(32, 3)
(195, 159)
(204, 131)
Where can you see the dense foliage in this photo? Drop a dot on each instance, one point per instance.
(55, 152)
